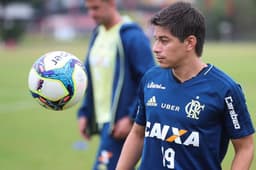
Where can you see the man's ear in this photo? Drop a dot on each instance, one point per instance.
(190, 42)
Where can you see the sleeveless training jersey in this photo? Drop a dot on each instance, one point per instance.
(102, 61)
(188, 125)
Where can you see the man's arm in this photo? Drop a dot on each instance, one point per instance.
(132, 148)
(122, 128)
(244, 150)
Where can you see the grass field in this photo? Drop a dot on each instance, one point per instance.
(33, 138)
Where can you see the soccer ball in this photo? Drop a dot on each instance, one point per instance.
(57, 80)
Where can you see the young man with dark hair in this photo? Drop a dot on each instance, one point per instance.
(188, 110)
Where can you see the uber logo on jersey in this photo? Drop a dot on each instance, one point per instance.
(170, 107)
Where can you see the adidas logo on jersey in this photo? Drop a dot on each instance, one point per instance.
(152, 101)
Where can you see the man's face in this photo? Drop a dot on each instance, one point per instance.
(168, 49)
(98, 10)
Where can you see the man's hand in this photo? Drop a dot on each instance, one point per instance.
(82, 124)
(122, 128)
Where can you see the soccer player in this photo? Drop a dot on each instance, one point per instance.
(119, 54)
(188, 110)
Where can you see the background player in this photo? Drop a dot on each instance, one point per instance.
(118, 55)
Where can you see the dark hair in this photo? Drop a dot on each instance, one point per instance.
(182, 20)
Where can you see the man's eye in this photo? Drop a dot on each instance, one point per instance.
(164, 41)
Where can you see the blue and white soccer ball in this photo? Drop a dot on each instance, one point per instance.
(57, 80)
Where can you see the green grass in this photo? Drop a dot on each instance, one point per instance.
(33, 138)
(238, 60)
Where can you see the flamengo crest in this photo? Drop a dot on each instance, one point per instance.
(193, 109)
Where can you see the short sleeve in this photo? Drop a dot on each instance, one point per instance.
(237, 118)
(141, 114)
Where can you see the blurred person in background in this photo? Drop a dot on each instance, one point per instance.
(188, 120)
(119, 54)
